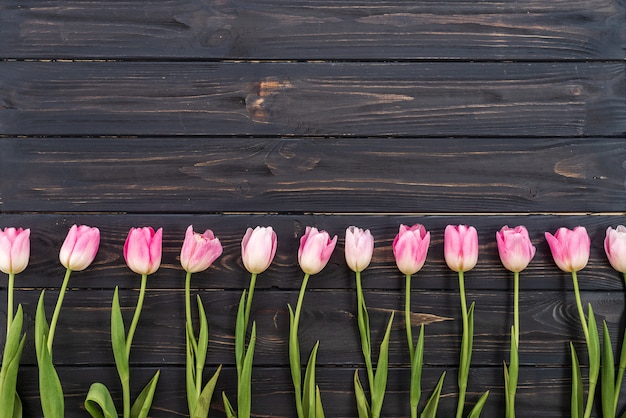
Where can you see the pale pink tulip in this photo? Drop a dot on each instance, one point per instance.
(199, 251)
(258, 248)
(142, 249)
(570, 248)
(515, 248)
(410, 248)
(359, 248)
(460, 247)
(615, 247)
(315, 250)
(14, 250)
(80, 247)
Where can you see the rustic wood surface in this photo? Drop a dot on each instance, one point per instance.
(229, 114)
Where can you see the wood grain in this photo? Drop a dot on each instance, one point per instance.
(431, 99)
(312, 175)
(290, 29)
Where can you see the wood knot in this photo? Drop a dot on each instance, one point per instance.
(261, 97)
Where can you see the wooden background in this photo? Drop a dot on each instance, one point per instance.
(228, 114)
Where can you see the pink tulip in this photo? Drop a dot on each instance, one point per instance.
(460, 247)
(615, 247)
(142, 250)
(515, 248)
(410, 248)
(14, 250)
(315, 250)
(199, 251)
(80, 247)
(359, 248)
(258, 248)
(570, 248)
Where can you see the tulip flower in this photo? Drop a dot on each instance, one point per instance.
(359, 248)
(615, 248)
(460, 248)
(410, 247)
(611, 383)
(14, 255)
(515, 251)
(258, 248)
(197, 254)
(570, 250)
(77, 252)
(357, 239)
(142, 252)
(315, 250)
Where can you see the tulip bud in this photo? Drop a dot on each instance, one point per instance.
(410, 248)
(570, 248)
(14, 250)
(460, 247)
(315, 250)
(80, 247)
(515, 248)
(359, 248)
(615, 247)
(142, 250)
(258, 248)
(199, 251)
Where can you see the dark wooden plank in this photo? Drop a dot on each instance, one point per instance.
(110, 270)
(312, 175)
(288, 29)
(272, 391)
(371, 99)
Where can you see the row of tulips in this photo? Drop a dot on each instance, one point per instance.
(142, 252)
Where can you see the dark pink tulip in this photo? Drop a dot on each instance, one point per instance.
(570, 248)
(315, 250)
(258, 248)
(515, 248)
(460, 247)
(142, 250)
(410, 248)
(615, 247)
(14, 250)
(80, 247)
(359, 248)
(199, 251)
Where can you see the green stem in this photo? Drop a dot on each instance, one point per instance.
(364, 330)
(57, 309)
(579, 304)
(10, 301)
(188, 321)
(126, 397)
(133, 324)
(249, 299)
(516, 306)
(407, 315)
(296, 322)
(462, 381)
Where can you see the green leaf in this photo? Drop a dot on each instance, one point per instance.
(620, 371)
(244, 395)
(511, 377)
(204, 402)
(430, 410)
(99, 403)
(41, 324)
(294, 360)
(141, 407)
(577, 386)
(50, 390)
(228, 408)
(203, 338)
(607, 385)
(478, 408)
(594, 348)
(362, 406)
(190, 375)
(308, 395)
(416, 371)
(14, 346)
(380, 378)
(118, 339)
(240, 334)
(319, 409)
(17, 407)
